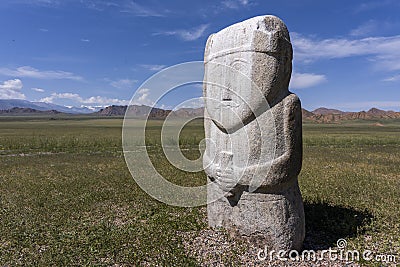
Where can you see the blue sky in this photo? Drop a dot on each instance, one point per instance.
(98, 52)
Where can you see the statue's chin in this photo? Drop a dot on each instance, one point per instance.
(230, 125)
(232, 119)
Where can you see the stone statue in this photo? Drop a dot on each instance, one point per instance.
(253, 133)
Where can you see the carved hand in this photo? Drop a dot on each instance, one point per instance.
(225, 179)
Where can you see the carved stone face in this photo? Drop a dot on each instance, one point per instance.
(242, 76)
(231, 94)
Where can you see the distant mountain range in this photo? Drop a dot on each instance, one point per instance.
(6, 104)
(154, 113)
(27, 111)
(320, 115)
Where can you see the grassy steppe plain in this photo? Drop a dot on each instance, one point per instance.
(67, 197)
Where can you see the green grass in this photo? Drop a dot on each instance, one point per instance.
(67, 197)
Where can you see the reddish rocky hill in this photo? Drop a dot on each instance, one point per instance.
(324, 115)
(154, 113)
(326, 111)
(112, 111)
(134, 110)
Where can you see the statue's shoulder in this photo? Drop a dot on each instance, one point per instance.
(292, 100)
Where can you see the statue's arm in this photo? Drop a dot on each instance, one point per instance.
(288, 165)
(210, 168)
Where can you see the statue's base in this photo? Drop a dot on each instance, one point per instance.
(274, 220)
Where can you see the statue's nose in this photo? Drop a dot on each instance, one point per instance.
(226, 94)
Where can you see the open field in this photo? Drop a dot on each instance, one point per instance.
(67, 197)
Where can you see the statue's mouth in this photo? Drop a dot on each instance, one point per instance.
(228, 103)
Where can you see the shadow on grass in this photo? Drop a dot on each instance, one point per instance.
(325, 224)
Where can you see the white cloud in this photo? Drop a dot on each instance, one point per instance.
(11, 89)
(15, 84)
(365, 29)
(392, 78)
(124, 6)
(85, 40)
(30, 72)
(187, 35)
(76, 98)
(384, 51)
(134, 8)
(163, 106)
(142, 97)
(54, 96)
(43, 30)
(99, 5)
(143, 90)
(144, 93)
(61, 58)
(235, 4)
(45, 2)
(123, 83)
(153, 67)
(104, 101)
(374, 27)
(191, 103)
(305, 80)
(374, 5)
(40, 90)
(92, 108)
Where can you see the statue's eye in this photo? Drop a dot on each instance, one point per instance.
(239, 63)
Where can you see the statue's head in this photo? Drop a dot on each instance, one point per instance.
(246, 64)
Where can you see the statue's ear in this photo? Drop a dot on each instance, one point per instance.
(208, 43)
(287, 65)
(206, 53)
(286, 60)
(284, 64)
